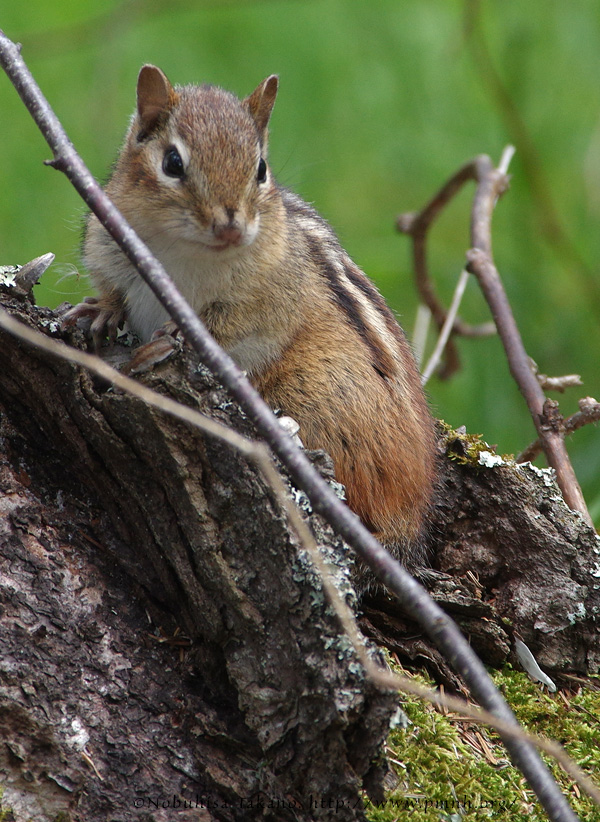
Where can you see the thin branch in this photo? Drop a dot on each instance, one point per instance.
(480, 263)
(447, 327)
(260, 455)
(412, 596)
(417, 225)
(491, 184)
(555, 383)
(589, 412)
(507, 155)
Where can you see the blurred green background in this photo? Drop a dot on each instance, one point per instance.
(379, 103)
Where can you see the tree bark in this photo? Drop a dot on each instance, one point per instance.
(513, 561)
(165, 643)
(164, 639)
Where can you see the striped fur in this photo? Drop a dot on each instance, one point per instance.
(269, 278)
(350, 380)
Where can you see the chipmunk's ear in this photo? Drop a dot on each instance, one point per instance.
(155, 96)
(260, 103)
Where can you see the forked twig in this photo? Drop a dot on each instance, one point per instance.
(589, 412)
(491, 184)
(412, 596)
(417, 225)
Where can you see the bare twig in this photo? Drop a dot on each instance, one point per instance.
(412, 596)
(417, 225)
(459, 291)
(589, 412)
(260, 455)
(555, 383)
(491, 184)
(549, 430)
(446, 329)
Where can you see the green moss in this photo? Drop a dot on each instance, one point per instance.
(5, 813)
(444, 775)
(462, 447)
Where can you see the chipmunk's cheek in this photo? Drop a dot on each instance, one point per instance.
(251, 233)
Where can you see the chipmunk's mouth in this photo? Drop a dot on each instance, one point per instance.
(218, 247)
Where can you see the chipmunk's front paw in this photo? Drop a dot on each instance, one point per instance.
(101, 318)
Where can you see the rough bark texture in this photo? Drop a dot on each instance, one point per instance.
(163, 639)
(513, 562)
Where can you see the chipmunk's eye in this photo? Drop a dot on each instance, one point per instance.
(261, 174)
(172, 163)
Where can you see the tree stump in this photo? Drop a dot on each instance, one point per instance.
(166, 644)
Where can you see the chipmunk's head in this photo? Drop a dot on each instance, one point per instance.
(198, 157)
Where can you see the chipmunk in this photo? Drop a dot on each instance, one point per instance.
(271, 282)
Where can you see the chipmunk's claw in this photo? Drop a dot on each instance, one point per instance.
(101, 320)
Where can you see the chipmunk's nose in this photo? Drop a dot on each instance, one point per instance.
(229, 232)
